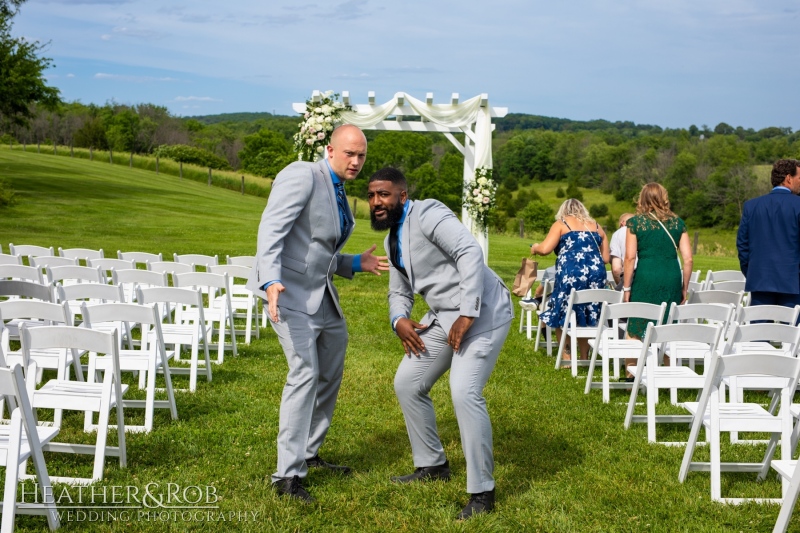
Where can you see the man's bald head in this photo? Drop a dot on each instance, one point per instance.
(347, 151)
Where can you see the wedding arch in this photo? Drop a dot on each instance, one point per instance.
(471, 117)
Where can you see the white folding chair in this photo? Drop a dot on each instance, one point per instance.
(547, 292)
(140, 258)
(44, 261)
(147, 361)
(30, 250)
(21, 440)
(610, 345)
(221, 314)
(32, 314)
(575, 332)
(21, 272)
(722, 275)
(93, 293)
(81, 254)
(695, 276)
(715, 416)
(649, 373)
(8, 259)
(98, 398)
(769, 313)
(12, 288)
(129, 279)
(696, 313)
(781, 339)
(242, 260)
(527, 306)
(242, 298)
(191, 333)
(170, 268)
(107, 266)
(732, 286)
(716, 297)
(71, 275)
(197, 260)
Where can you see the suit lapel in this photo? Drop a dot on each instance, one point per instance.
(405, 242)
(334, 206)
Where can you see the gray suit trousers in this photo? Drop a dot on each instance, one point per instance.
(470, 369)
(314, 346)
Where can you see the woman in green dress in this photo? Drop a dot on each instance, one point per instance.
(657, 236)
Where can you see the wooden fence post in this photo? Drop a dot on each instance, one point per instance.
(181, 169)
(130, 161)
(156, 164)
(38, 147)
(696, 238)
(111, 156)
(54, 148)
(209, 176)
(23, 146)
(355, 207)
(91, 153)
(522, 228)
(71, 151)
(242, 185)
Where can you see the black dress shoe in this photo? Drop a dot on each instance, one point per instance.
(482, 502)
(318, 462)
(426, 473)
(291, 487)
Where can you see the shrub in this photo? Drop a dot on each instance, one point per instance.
(7, 196)
(183, 153)
(538, 216)
(598, 210)
(574, 192)
(560, 193)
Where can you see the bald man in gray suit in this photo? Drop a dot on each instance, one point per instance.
(303, 229)
(432, 254)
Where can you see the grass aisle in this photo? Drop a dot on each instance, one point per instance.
(563, 460)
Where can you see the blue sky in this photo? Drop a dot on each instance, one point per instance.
(667, 62)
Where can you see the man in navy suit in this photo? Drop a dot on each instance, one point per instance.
(769, 239)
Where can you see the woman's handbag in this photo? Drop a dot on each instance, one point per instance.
(525, 277)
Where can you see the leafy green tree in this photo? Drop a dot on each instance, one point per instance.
(266, 153)
(21, 72)
(538, 216)
(574, 192)
(724, 129)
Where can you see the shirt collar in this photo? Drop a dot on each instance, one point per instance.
(336, 180)
(405, 211)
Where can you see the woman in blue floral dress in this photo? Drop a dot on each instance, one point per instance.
(582, 249)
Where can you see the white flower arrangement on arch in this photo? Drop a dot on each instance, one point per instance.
(318, 123)
(479, 197)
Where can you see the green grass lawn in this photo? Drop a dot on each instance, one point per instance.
(563, 460)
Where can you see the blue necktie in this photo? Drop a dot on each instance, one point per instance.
(341, 201)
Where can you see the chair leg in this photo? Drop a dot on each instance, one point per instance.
(12, 472)
(789, 501)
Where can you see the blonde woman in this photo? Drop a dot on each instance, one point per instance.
(657, 236)
(582, 249)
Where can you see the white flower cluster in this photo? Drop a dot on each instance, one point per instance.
(318, 122)
(479, 197)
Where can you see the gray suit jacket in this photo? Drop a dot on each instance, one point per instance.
(445, 266)
(297, 238)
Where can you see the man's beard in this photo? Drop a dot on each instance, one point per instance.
(393, 216)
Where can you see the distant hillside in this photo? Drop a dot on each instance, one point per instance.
(234, 117)
(521, 121)
(513, 121)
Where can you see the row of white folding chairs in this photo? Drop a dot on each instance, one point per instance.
(243, 300)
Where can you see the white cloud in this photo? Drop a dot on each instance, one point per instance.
(105, 37)
(134, 79)
(196, 99)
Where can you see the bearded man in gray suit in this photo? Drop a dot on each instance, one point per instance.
(432, 254)
(303, 229)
